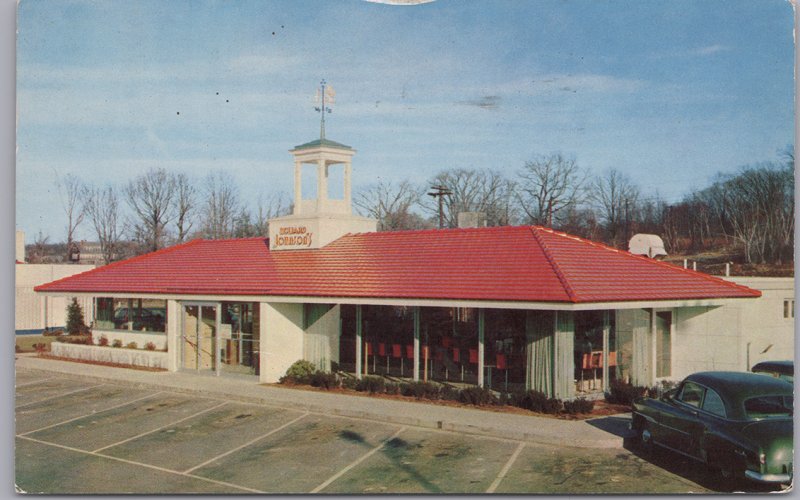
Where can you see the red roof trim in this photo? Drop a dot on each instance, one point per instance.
(553, 264)
(708, 277)
(105, 268)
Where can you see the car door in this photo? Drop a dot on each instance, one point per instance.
(681, 424)
(712, 416)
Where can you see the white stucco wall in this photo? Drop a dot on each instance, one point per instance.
(763, 326)
(37, 311)
(706, 338)
(737, 335)
(281, 339)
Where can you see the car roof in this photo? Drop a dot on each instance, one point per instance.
(735, 387)
(784, 367)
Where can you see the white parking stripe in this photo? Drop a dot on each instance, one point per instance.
(60, 395)
(26, 384)
(90, 414)
(159, 428)
(506, 468)
(100, 455)
(369, 454)
(273, 431)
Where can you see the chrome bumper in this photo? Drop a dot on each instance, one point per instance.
(768, 478)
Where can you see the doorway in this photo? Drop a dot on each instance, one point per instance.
(200, 324)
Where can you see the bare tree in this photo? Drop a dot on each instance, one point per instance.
(70, 191)
(276, 205)
(474, 190)
(184, 200)
(150, 199)
(102, 206)
(392, 205)
(615, 197)
(221, 206)
(547, 185)
(39, 247)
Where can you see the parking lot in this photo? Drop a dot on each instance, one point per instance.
(83, 435)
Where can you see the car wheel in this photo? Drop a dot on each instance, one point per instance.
(731, 472)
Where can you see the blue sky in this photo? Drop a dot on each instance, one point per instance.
(670, 92)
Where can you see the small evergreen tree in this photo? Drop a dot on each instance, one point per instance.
(75, 323)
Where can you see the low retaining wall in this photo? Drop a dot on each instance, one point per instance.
(119, 355)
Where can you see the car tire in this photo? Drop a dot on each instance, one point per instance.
(731, 471)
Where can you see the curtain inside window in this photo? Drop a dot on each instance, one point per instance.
(564, 384)
(539, 373)
(318, 333)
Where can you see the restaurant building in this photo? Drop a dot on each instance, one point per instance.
(508, 308)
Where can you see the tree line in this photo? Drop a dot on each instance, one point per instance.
(751, 210)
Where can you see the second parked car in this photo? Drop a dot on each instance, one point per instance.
(740, 423)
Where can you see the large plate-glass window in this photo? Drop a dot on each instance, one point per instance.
(138, 315)
(504, 355)
(239, 336)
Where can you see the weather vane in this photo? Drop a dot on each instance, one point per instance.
(324, 99)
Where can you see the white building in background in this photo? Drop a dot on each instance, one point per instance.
(34, 312)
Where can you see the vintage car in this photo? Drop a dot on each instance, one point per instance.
(783, 370)
(740, 423)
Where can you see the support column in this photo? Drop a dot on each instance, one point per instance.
(217, 340)
(347, 193)
(174, 334)
(358, 341)
(481, 332)
(298, 189)
(322, 186)
(606, 348)
(416, 343)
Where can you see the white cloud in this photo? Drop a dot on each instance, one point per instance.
(710, 50)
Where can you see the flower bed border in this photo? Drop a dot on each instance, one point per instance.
(114, 356)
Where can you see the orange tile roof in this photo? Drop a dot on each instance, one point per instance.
(521, 263)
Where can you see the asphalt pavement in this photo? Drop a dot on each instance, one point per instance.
(602, 432)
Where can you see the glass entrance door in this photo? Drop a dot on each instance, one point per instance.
(199, 337)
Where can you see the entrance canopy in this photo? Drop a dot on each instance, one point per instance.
(512, 264)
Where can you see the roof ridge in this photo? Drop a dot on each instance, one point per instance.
(120, 262)
(667, 265)
(553, 264)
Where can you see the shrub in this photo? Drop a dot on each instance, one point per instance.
(324, 380)
(150, 346)
(299, 373)
(580, 405)
(371, 384)
(392, 388)
(103, 340)
(75, 322)
(536, 401)
(623, 393)
(40, 348)
(449, 393)
(349, 382)
(116, 343)
(421, 390)
(132, 345)
(17, 348)
(478, 396)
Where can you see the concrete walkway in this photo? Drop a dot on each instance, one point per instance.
(602, 432)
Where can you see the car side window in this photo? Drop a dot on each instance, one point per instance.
(691, 394)
(712, 403)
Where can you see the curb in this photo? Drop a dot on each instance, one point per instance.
(539, 430)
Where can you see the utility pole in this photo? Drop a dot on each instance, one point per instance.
(439, 192)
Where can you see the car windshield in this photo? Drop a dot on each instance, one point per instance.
(768, 406)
